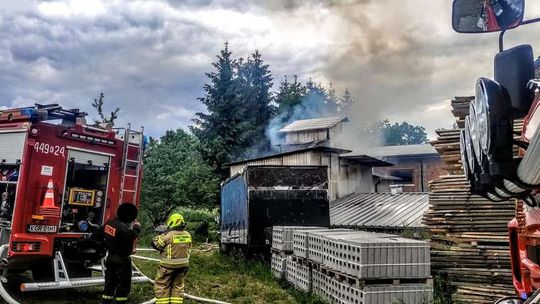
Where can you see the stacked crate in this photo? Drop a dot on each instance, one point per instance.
(370, 255)
(278, 265)
(314, 245)
(299, 275)
(334, 291)
(282, 265)
(347, 266)
(282, 237)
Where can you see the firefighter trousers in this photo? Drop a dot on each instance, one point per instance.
(169, 285)
(117, 279)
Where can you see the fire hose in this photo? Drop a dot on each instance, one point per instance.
(187, 296)
(5, 295)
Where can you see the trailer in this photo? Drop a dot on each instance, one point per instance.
(260, 197)
(60, 180)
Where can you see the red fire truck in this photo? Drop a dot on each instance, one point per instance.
(61, 179)
(488, 141)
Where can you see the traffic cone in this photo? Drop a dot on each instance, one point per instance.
(48, 207)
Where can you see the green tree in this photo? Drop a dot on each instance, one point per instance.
(345, 102)
(176, 175)
(223, 130)
(98, 105)
(254, 82)
(239, 107)
(404, 134)
(397, 133)
(289, 95)
(319, 101)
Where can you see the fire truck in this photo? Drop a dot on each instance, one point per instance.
(60, 180)
(489, 142)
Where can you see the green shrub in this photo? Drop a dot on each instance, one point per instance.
(201, 223)
(197, 215)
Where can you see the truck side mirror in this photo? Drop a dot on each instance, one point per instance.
(513, 70)
(481, 16)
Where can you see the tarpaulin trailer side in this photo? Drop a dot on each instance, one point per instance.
(264, 196)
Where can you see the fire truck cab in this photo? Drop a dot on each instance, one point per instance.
(489, 143)
(60, 180)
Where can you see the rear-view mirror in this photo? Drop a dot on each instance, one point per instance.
(481, 16)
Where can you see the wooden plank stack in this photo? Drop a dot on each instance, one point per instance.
(469, 233)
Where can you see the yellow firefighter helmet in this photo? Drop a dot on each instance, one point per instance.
(175, 220)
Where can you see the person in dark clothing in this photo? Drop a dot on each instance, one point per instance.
(118, 234)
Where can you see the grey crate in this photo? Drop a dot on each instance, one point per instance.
(282, 236)
(278, 266)
(299, 275)
(290, 270)
(315, 242)
(300, 240)
(376, 256)
(405, 293)
(335, 292)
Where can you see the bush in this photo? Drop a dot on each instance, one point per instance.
(201, 223)
(197, 215)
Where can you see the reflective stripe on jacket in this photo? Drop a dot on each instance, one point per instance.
(174, 247)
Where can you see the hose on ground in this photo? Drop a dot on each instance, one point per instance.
(5, 295)
(187, 296)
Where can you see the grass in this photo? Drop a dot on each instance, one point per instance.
(211, 275)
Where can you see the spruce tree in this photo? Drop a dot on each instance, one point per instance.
(254, 84)
(289, 96)
(345, 102)
(224, 128)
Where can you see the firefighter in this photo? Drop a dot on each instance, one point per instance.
(174, 246)
(119, 234)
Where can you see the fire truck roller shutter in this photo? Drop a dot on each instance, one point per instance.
(11, 146)
(82, 157)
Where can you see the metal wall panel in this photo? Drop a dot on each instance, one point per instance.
(12, 146)
(297, 159)
(236, 169)
(365, 180)
(82, 157)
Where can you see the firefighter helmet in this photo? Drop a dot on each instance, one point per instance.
(127, 212)
(175, 220)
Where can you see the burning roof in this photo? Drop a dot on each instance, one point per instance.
(313, 124)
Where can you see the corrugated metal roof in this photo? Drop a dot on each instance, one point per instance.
(279, 154)
(378, 210)
(367, 160)
(313, 124)
(403, 150)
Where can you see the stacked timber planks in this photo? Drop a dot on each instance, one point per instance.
(469, 244)
(447, 144)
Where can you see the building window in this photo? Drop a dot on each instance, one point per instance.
(406, 176)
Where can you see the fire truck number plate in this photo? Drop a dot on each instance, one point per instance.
(44, 148)
(41, 229)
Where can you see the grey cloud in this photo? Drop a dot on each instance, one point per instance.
(139, 62)
(149, 58)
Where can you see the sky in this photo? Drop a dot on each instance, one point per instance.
(400, 59)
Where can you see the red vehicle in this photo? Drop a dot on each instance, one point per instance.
(61, 179)
(487, 142)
